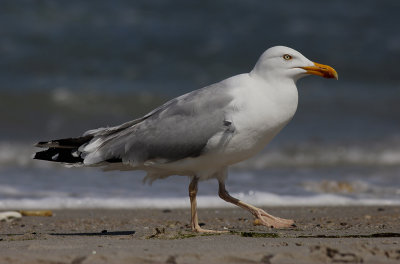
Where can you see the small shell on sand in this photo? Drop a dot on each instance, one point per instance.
(9, 216)
(37, 213)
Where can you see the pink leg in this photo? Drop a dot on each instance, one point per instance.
(193, 205)
(262, 217)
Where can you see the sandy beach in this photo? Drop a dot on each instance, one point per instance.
(367, 234)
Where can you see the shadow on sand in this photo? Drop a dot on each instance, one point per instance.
(102, 233)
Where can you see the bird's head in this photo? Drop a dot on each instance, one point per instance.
(282, 63)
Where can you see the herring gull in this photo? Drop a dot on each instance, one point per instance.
(201, 133)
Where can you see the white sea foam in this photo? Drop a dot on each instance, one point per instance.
(256, 198)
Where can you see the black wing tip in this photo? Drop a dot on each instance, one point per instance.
(61, 150)
(58, 155)
(36, 156)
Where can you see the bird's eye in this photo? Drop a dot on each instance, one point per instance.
(287, 57)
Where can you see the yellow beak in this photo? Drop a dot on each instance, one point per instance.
(321, 70)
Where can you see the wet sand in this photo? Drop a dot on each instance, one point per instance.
(366, 234)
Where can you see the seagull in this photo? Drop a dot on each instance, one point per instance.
(201, 133)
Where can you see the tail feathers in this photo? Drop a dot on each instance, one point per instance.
(62, 150)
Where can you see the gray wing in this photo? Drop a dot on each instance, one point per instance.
(178, 129)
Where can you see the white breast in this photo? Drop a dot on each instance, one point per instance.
(260, 111)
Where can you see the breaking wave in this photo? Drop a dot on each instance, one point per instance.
(257, 198)
(322, 155)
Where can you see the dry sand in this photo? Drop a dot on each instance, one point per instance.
(323, 235)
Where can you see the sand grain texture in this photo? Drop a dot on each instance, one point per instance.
(323, 235)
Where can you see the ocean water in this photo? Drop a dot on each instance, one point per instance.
(70, 66)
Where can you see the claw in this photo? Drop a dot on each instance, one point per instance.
(265, 219)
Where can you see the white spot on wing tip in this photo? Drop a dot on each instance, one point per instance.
(55, 157)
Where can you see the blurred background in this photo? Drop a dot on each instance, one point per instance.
(69, 66)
